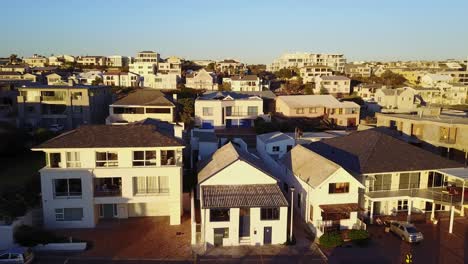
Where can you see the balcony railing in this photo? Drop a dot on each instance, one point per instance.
(447, 140)
(52, 98)
(252, 113)
(440, 194)
(108, 193)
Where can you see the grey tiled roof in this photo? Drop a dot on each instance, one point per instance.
(235, 196)
(148, 97)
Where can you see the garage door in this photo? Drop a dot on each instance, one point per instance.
(148, 209)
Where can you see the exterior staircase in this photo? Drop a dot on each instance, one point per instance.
(244, 241)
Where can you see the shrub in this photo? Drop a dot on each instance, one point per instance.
(358, 234)
(29, 236)
(330, 240)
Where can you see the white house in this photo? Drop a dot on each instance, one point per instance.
(336, 85)
(202, 80)
(431, 80)
(399, 100)
(117, 61)
(146, 63)
(123, 79)
(227, 109)
(240, 202)
(274, 144)
(325, 195)
(161, 81)
(107, 172)
(308, 73)
(244, 83)
(139, 105)
(203, 143)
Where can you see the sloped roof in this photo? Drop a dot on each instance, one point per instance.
(371, 151)
(146, 97)
(249, 195)
(274, 137)
(308, 165)
(218, 95)
(325, 100)
(335, 78)
(108, 136)
(225, 156)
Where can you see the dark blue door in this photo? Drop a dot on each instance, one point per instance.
(207, 124)
(246, 123)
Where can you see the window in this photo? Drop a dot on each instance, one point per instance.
(402, 205)
(340, 111)
(339, 187)
(167, 157)
(252, 110)
(382, 182)
(275, 148)
(144, 158)
(269, 213)
(158, 110)
(68, 214)
(299, 110)
(207, 111)
(150, 184)
(107, 159)
(53, 160)
(312, 110)
(73, 160)
(409, 180)
(448, 134)
(67, 187)
(219, 215)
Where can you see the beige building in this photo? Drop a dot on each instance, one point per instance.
(244, 83)
(122, 79)
(398, 100)
(358, 70)
(145, 63)
(336, 85)
(202, 80)
(308, 73)
(68, 106)
(36, 61)
(92, 60)
(344, 114)
(230, 66)
(171, 65)
(298, 60)
(99, 172)
(21, 68)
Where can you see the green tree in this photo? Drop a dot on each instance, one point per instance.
(284, 73)
(308, 88)
(13, 58)
(323, 90)
(211, 67)
(188, 110)
(96, 81)
(392, 79)
(225, 87)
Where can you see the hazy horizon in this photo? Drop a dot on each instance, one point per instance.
(254, 32)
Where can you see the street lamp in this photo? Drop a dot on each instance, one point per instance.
(292, 210)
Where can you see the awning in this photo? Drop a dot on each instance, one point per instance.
(338, 211)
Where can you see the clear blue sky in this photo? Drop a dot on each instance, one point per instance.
(254, 31)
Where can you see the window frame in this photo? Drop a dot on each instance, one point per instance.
(76, 162)
(220, 218)
(270, 213)
(68, 193)
(108, 163)
(333, 187)
(151, 162)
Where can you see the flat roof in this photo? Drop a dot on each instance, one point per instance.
(442, 118)
(461, 173)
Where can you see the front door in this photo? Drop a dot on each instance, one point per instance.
(244, 222)
(267, 235)
(108, 211)
(377, 208)
(218, 236)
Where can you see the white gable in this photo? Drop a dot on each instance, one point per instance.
(238, 173)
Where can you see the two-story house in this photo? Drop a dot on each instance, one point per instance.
(336, 85)
(69, 106)
(343, 114)
(202, 80)
(98, 172)
(240, 201)
(244, 83)
(227, 109)
(308, 73)
(122, 79)
(399, 100)
(327, 195)
(139, 105)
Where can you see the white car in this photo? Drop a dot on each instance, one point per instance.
(406, 231)
(18, 255)
(56, 127)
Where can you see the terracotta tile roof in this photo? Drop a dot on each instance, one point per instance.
(371, 151)
(235, 196)
(147, 97)
(339, 208)
(108, 136)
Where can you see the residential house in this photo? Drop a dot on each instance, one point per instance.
(171, 65)
(400, 100)
(56, 61)
(21, 68)
(230, 66)
(431, 80)
(117, 61)
(274, 144)
(244, 83)
(70, 106)
(458, 76)
(4, 75)
(358, 70)
(336, 85)
(298, 60)
(203, 143)
(326, 196)
(161, 81)
(146, 63)
(344, 114)
(240, 201)
(140, 105)
(57, 79)
(430, 95)
(202, 80)
(122, 79)
(399, 178)
(91, 60)
(36, 61)
(88, 77)
(227, 110)
(367, 90)
(308, 73)
(99, 172)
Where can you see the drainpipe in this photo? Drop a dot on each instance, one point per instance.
(292, 211)
(462, 213)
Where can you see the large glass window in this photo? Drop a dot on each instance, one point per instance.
(436, 179)
(207, 111)
(67, 187)
(402, 205)
(338, 187)
(144, 158)
(382, 182)
(107, 159)
(269, 213)
(158, 110)
(252, 110)
(168, 157)
(73, 160)
(219, 215)
(150, 184)
(409, 180)
(68, 214)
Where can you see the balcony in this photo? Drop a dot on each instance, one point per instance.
(52, 98)
(107, 187)
(445, 195)
(241, 114)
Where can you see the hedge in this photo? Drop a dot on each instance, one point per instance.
(330, 240)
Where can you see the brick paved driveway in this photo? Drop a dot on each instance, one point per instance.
(136, 238)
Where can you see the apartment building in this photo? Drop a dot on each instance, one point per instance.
(122, 79)
(326, 195)
(248, 209)
(358, 70)
(230, 66)
(98, 172)
(56, 61)
(244, 83)
(161, 81)
(336, 85)
(70, 106)
(140, 105)
(344, 114)
(117, 61)
(227, 110)
(308, 73)
(36, 61)
(171, 65)
(458, 76)
(4, 75)
(21, 68)
(398, 100)
(446, 133)
(399, 180)
(145, 63)
(336, 62)
(202, 80)
(91, 60)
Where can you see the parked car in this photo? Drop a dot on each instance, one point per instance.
(18, 255)
(406, 231)
(56, 127)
